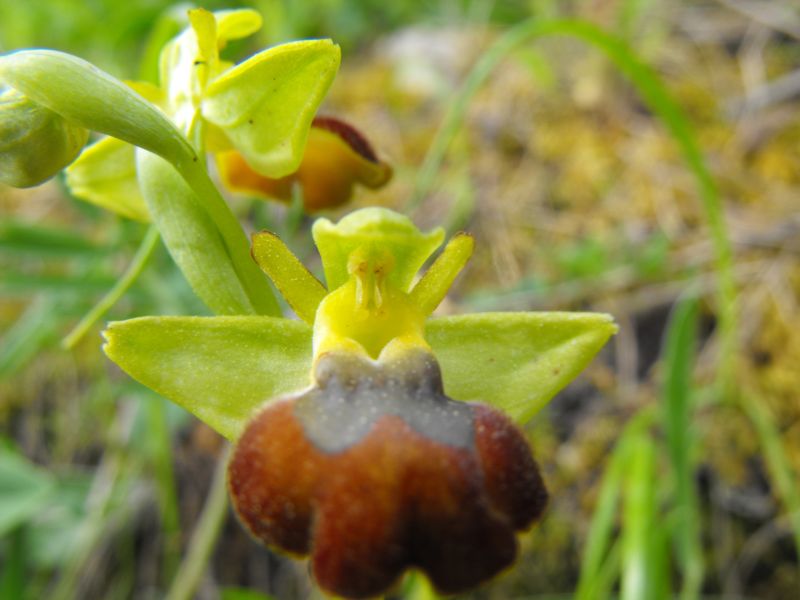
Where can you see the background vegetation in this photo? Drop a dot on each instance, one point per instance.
(638, 157)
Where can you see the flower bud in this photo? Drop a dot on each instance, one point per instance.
(35, 142)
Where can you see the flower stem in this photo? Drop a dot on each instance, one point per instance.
(133, 271)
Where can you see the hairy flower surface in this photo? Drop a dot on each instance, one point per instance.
(354, 442)
(374, 469)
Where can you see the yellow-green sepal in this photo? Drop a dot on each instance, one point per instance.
(378, 230)
(221, 369)
(265, 105)
(515, 362)
(105, 175)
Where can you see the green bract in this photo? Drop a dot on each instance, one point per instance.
(224, 368)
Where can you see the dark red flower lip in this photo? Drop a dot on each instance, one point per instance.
(398, 493)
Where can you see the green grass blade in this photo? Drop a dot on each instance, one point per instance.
(597, 552)
(160, 448)
(25, 491)
(34, 328)
(638, 520)
(204, 536)
(679, 358)
(24, 238)
(601, 527)
(780, 469)
(23, 284)
(12, 573)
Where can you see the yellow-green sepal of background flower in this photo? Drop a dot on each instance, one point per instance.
(262, 107)
(105, 175)
(265, 105)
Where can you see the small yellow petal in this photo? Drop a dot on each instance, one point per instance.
(205, 29)
(236, 24)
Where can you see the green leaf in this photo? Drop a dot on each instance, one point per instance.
(105, 175)
(515, 361)
(642, 531)
(192, 238)
(32, 330)
(243, 594)
(678, 406)
(25, 490)
(599, 538)
(219, 368)
(18, 237)
(375, 230)
(265, 105)
(23, 283)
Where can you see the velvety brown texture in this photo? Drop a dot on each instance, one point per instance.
(393, 500)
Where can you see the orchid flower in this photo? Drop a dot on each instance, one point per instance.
(261, 109)
(152, 165)
(368, 433)
(255, 117)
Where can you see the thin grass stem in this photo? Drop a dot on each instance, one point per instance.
(139, 262)
(656, 96)
(203, 537)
